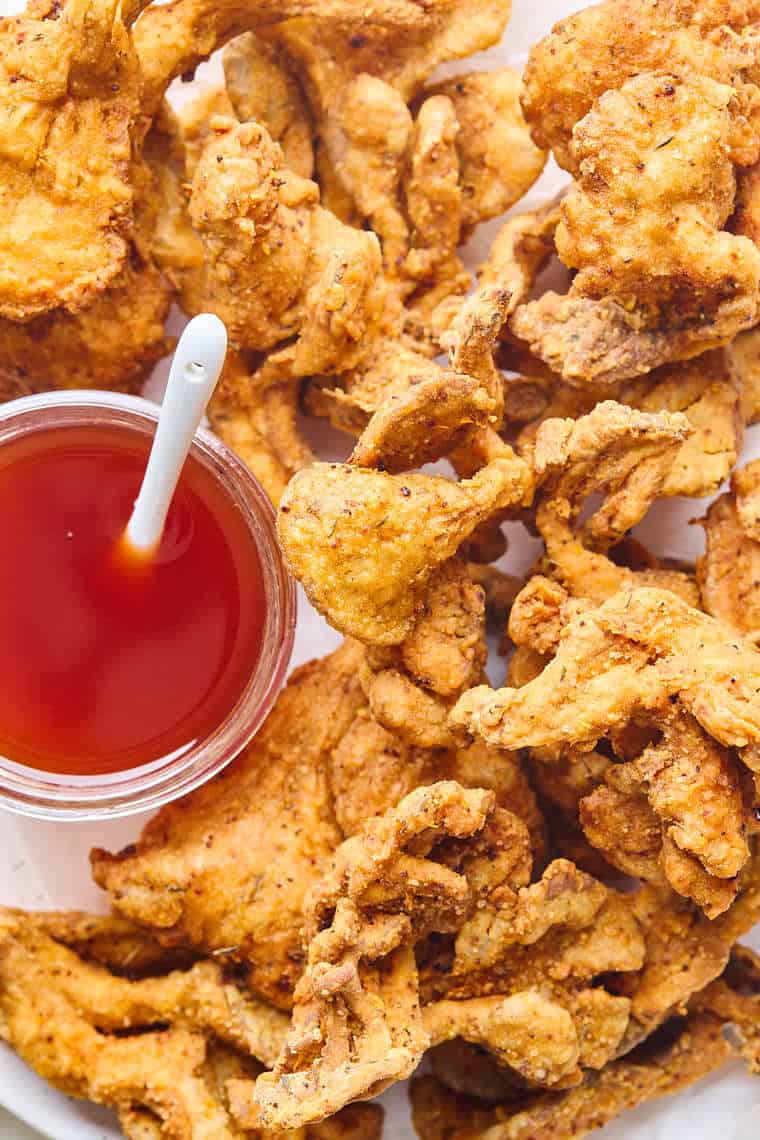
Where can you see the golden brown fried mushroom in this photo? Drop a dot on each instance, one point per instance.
(411, 689)
(96, 1036)
(277, 265)
(729, 570)
(227, 867)
(631, 654)
(695, 1048)
(601, 47)
(356, 1023)
(423, 422)
(262, 88)
(364, 543)
(498, 162)
(70, 88)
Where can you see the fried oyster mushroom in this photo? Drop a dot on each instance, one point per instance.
(276, 265)
(356, 1022)
(227, 868)
(602, 46)
(672, 145)
(625, 455)
(98, 1036)
(70, 87)
(365, 543)
(729, 570)
(646, 657)
(692, 1048)
(412, 687)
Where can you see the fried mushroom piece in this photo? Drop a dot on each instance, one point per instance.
(411, 689)
(627, 456)
(673, 145)
(263, 89)
(670, 250)
(555, 937)
(360, 75)
(645, 653)
(99, 1037)
(498, 162)
(674, 813)
(735, 999)
(364, 543)
(112, 342)
(423, 422)
(198, 999)
(255, 414)
(371, 769)
(707, 390)
(276, 265)
(729, 570)
(470, 329)
(614, 449)
(634, 653)
(69, 95)
(685, 950)
(356, 1023)
(227, 867)
(690, 1049)
(602, 46)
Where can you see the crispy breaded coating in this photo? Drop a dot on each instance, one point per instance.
(111, 343)
(227, 867)
(674, 813)
(672, 145)
(411, 689)
(613, 449)
(262, 88)
(470, 329)
(70, 87)
(349, 65)
(255, 415)
(729, 570)
(114, 942)
(707, 390)
(364, 543)
(433, 202)
(356, 1023)
(423, 422)
(587, 341)
(389, 369)
(371, 769)
(735, 999)
(525, 1032)
(630, 655)
(696, 1047)
(602, 46)
(498, 162)
(556, 937)
(198, 999)
(276, 265)
(95, 1036)
(744, 353)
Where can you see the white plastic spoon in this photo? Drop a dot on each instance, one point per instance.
(195, 369)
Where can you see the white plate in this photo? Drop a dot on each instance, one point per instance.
(45, 865)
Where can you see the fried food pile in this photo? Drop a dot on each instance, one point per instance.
(539, 888)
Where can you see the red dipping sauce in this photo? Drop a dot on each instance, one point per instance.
(107, 662)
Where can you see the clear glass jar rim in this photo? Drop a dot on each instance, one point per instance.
(52, 796)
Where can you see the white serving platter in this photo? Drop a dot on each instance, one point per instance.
(45, 865)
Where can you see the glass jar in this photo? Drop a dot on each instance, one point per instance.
(69, 797)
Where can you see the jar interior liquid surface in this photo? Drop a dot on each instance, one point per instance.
(107, 662)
